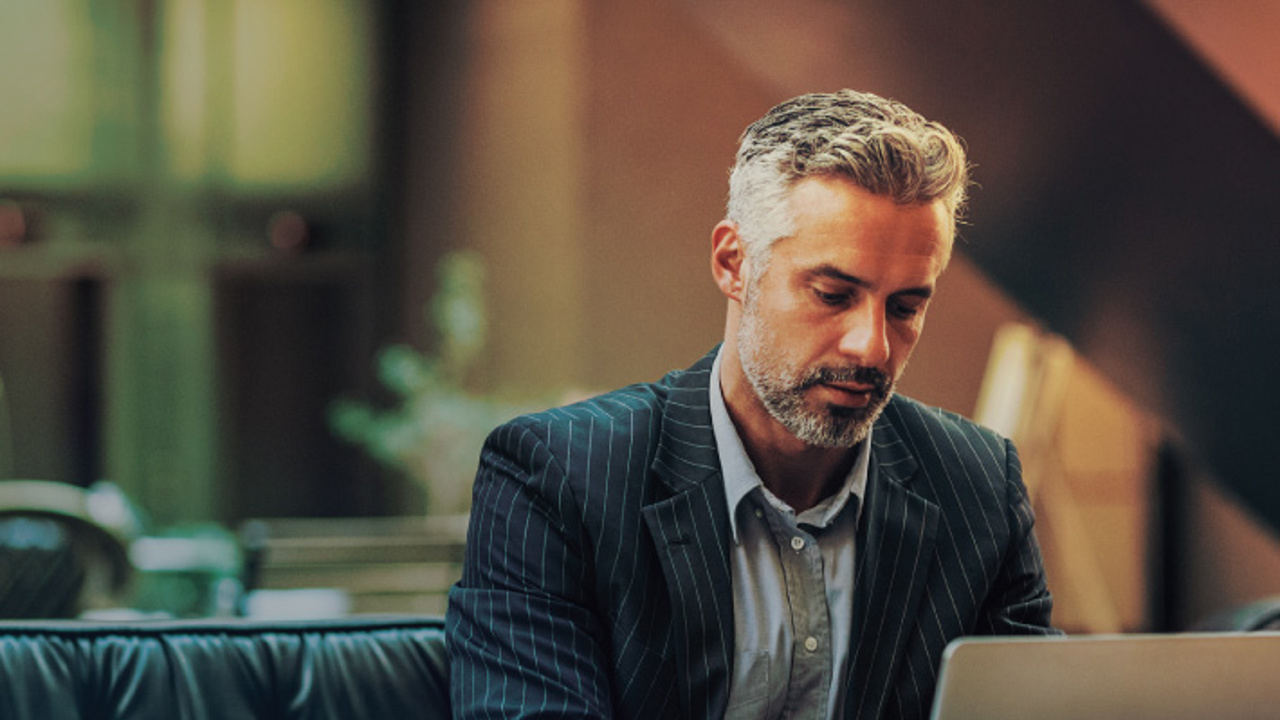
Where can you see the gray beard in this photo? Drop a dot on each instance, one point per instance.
(783, 392)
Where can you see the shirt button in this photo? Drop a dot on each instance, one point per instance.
(811, 643)
(797, 543)
(759, 513)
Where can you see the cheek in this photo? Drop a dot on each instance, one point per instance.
(906, 337)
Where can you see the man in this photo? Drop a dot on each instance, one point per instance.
(770, 533)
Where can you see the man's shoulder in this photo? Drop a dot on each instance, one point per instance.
(950, 452)
(635, 410)
(933, 427)
(638, 399)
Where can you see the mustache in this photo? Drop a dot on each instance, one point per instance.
(862, 375)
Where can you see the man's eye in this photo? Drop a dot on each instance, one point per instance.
(833, 299)
(904, 311)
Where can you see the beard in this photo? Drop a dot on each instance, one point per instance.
(783, 388)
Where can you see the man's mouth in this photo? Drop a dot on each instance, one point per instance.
(851, 394)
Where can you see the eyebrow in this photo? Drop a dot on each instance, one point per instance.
(827, 270)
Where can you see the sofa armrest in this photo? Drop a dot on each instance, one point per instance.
(361, 667)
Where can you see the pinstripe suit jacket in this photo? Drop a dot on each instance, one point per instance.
(597, 582)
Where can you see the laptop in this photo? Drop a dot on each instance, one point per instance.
(1190, 676)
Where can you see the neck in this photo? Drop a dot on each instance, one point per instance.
(799, 474)
(803, 479)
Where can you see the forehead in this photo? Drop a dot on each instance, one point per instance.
(836, 219)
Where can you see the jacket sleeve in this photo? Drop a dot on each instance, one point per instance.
(523, 639)
(1019, 602)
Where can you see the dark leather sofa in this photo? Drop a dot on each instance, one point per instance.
(361, 667)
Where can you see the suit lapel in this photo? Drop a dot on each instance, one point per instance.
(895, 550)
(689, 526)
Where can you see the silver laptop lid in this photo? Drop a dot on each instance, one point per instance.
(1223, 676)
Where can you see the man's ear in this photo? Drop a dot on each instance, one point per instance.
(728, 259)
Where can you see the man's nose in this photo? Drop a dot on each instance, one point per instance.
(866, 339)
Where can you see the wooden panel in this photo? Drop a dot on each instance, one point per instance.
(384, 565)
(1088, 458)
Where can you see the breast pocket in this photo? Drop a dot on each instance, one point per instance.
(749, 693)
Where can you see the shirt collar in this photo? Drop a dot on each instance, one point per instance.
(740, 477)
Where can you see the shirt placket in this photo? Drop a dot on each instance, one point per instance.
(810, 680)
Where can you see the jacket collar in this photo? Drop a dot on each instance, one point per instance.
(686, 454)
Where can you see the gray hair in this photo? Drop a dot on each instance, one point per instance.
(881, 145)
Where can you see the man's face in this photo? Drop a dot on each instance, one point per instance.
(827, 329)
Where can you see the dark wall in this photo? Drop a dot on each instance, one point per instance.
(1129, 199)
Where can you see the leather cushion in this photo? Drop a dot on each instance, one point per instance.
(358, 667)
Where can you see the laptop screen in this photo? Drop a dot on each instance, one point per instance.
(1190, 676)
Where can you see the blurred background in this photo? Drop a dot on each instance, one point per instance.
(269, 269)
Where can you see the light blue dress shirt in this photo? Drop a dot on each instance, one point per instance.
(792, 585)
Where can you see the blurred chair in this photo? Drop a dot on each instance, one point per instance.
(1262, 614)
(63, 548)
(187, 571)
